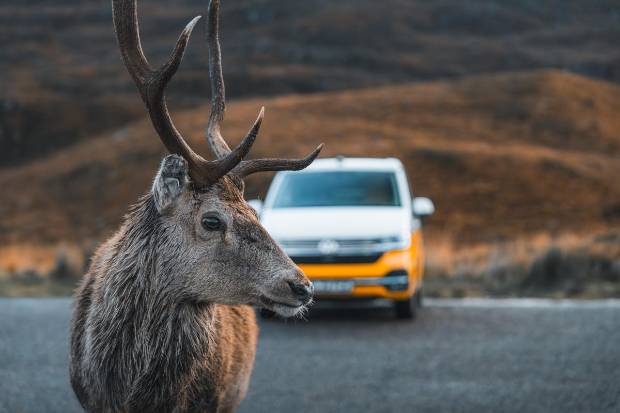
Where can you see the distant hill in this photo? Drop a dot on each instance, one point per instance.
(502, 156)
(62, 79)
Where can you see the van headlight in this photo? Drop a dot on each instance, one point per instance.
(396, 242)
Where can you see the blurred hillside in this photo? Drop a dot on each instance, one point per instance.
(63, 81)
(503, 156)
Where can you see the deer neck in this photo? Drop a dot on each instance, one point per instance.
(144, 325)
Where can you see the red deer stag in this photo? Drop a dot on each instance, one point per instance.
(162, 321)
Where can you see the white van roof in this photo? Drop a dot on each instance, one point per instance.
(342, 163)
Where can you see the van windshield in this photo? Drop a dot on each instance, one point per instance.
(337, 188)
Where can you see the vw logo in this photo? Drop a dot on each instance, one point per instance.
(328, 246)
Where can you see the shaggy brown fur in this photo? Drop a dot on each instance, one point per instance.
(160, 321)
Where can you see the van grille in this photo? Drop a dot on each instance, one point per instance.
(343, 243)
(336, 259)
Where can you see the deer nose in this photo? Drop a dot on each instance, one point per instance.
(302, 291)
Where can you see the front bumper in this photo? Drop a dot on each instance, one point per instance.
(380, 279)
(392, 287)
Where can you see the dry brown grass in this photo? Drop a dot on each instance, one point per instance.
(40, 271)
(502, 156)
(448, 258)
(514, 162)
(42, 260)
(583, 265)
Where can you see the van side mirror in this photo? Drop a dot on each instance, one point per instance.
(422, 207)
(257, 204)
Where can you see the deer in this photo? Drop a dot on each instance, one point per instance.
(163, 320)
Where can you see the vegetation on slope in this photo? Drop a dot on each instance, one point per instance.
(63, 81)
(506, 158)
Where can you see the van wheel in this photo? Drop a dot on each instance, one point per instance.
(419, 298)
(266, 314)
(406, 309)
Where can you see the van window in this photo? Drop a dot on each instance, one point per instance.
(341, 188)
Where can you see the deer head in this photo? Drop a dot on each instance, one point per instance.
(211, 236)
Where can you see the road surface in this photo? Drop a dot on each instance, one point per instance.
(458, 356)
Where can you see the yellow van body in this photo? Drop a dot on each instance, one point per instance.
(367, 277)
(353, 227)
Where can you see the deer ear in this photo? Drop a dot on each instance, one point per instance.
(170, 182)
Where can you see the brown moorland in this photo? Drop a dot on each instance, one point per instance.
(63, 81)
(505, 157)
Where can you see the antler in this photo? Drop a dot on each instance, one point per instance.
(216, 141)
(152, 85)
(246, 168)
(218, 145)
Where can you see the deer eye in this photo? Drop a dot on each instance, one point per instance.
(212, 223)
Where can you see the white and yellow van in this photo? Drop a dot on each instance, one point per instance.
(353, 227)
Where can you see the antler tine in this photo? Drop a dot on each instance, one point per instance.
(152, 86)
(152, 83)
(216, 141)
(249, 167)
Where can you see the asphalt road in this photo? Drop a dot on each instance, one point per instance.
(458, 356)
